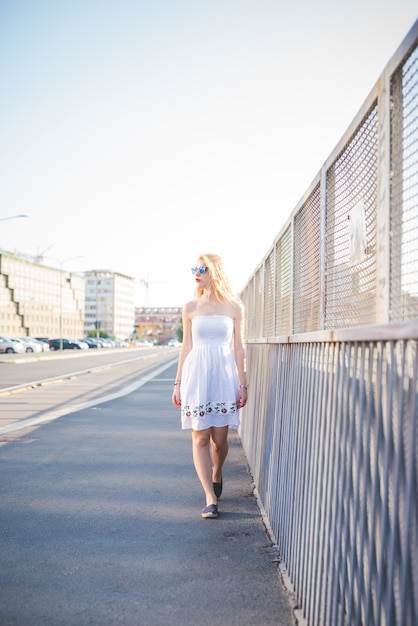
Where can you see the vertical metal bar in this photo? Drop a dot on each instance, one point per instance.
(339, 487)
(274, 287)
(374, 434)
(368, 419)
(409, 569)
(292, 274)
(384, 565)
(328, 503)
(303, 478)
(383, 200)
(322, 268)
(315, 417)
(263, 291)
(346, 476)
(319, 573)
(357, 399)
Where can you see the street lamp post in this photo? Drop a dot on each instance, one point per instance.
(60, 324)
(71, 258)
(12, 217)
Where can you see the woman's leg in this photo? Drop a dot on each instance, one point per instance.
(203, 463)
(220, 447)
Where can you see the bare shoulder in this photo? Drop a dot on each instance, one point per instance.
(189, 308)
(238, 310)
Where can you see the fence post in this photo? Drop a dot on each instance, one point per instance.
(383, 201)
(322, 226)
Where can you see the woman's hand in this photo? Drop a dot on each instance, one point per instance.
(176, 398)
(242, 398)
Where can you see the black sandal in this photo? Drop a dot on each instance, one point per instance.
(217, 488)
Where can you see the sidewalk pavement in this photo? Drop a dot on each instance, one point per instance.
(100, 524)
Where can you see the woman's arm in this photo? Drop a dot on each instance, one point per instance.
(240, 360)
(186, 346)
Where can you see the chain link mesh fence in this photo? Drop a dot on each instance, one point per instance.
(286, 295)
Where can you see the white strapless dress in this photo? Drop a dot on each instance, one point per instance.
(209, 380)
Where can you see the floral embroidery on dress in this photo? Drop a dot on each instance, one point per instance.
(210, 407)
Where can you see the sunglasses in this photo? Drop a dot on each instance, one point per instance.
(199, 270)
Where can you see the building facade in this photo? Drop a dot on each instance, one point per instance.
(109, 303)
(39, 301)
(158, 324)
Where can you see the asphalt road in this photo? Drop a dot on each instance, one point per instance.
(36, 389)
(16, 369)
(100, 516)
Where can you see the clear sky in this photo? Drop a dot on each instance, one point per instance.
(138, 134)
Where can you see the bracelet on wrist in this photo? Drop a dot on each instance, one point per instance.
(177, 382)
(243, 386)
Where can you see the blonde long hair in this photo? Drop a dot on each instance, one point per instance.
(219, 282)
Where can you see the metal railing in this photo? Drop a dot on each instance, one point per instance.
(331, 426)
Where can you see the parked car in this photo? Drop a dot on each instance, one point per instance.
(43, 342)
(11, 345)
(120, 343)
(31, 345)
(141, 343)
(174, 343)
(92, 342)
(67, 344)
(106, 342)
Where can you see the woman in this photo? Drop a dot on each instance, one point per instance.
(211, 384)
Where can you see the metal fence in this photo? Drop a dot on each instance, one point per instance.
(331, 426)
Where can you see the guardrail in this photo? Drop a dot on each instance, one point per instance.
(331, 426)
